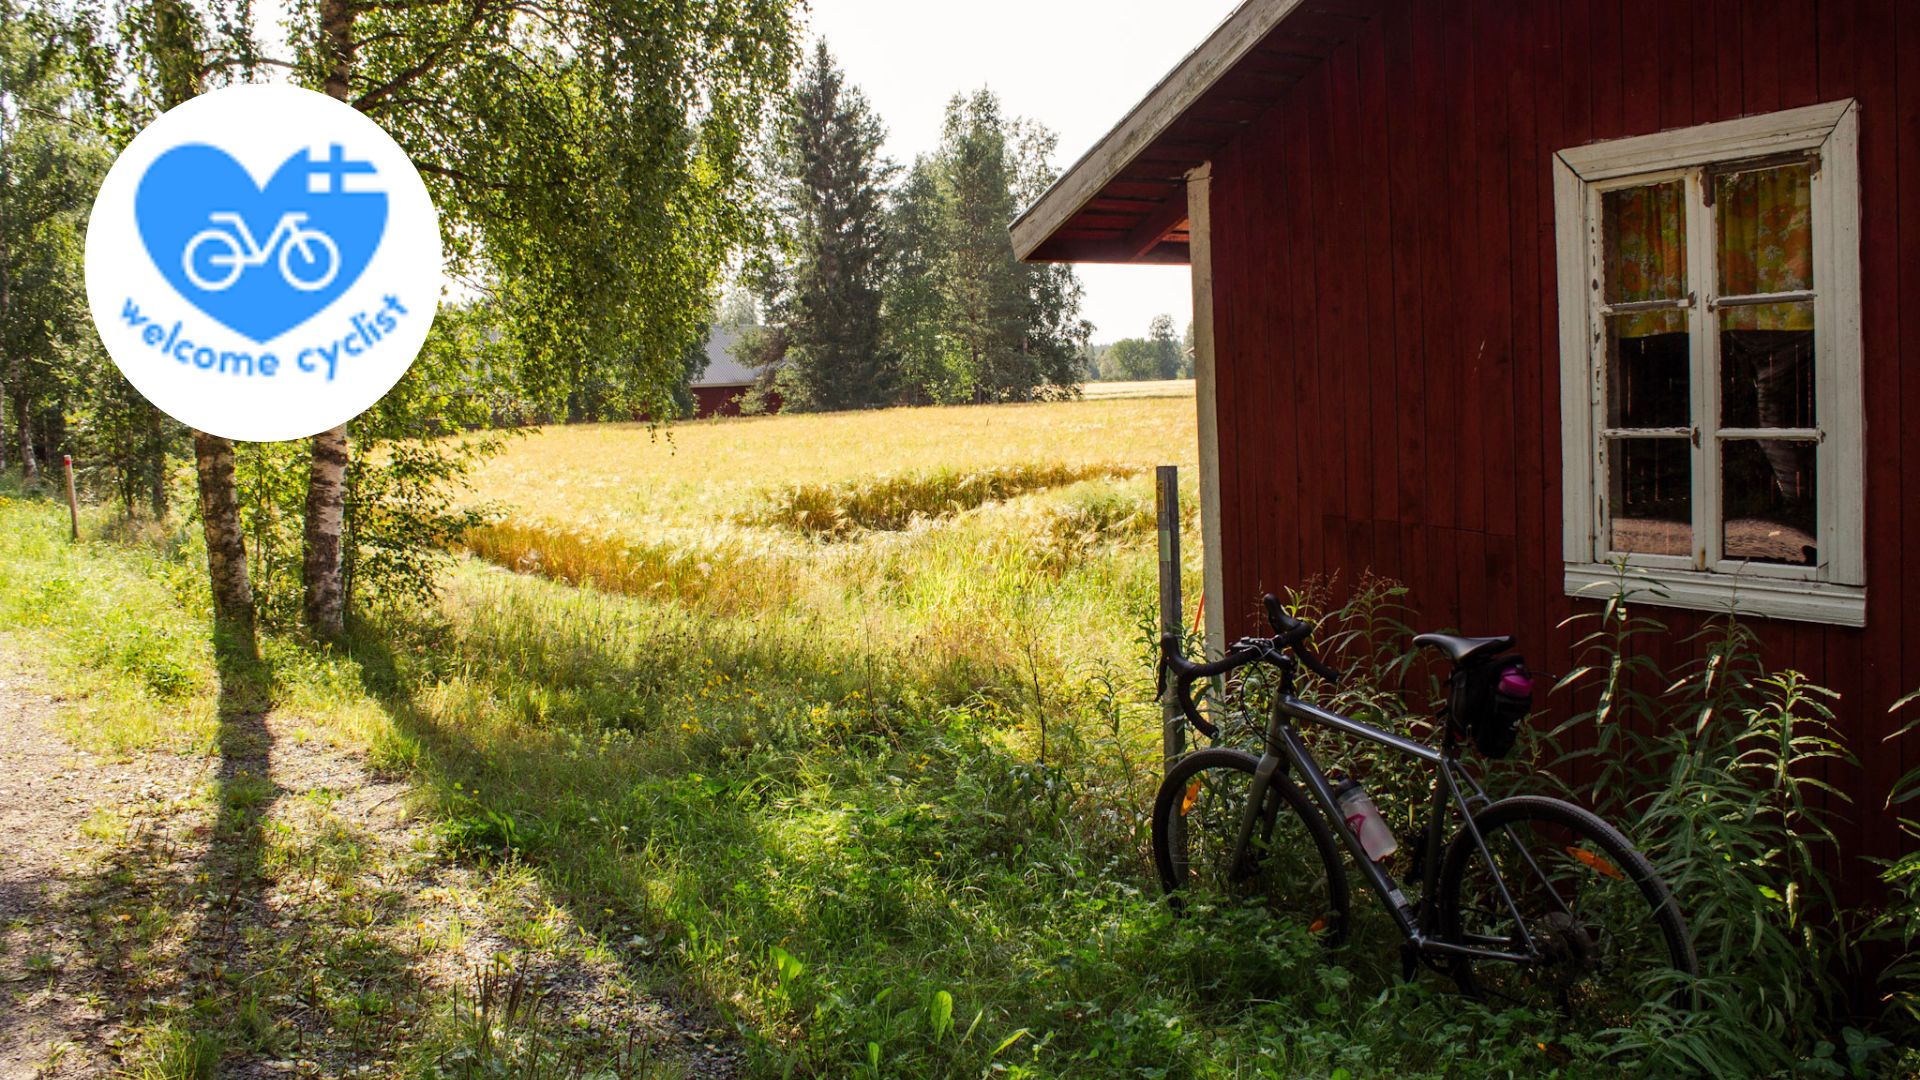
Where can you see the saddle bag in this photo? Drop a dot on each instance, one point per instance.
(1488, 700)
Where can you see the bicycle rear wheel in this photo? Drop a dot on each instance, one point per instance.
(1613, 938)
(1291, 868)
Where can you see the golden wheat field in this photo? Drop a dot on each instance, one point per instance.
(632, 480)
(981, 535)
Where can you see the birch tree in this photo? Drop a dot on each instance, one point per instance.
(140, 60)
(590, 164)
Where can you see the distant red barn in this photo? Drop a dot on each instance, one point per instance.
(717, 390)
(1489, 294)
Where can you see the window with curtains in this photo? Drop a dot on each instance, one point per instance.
(1710, 368)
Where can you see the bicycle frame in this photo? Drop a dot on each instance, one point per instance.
(1415, 926)
(254, 253)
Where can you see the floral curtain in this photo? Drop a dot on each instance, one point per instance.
(1765, 222)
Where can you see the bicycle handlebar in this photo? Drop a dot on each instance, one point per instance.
(1289, 633)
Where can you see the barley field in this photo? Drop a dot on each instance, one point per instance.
(979, 539)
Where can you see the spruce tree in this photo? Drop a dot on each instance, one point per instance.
(827, 298)
(1166, 347)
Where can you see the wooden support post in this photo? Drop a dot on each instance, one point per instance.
(73, 500)
(1173, 724)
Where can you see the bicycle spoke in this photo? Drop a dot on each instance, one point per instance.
(1605, 938)
(1282, 868)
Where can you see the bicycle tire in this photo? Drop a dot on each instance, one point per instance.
(1200, 791)
(1572, 849)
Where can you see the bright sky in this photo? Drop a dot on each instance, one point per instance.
(1076, 66)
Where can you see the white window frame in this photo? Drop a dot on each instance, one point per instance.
(1833, 592)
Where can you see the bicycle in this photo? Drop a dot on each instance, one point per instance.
(1534, 901)
(236, 250)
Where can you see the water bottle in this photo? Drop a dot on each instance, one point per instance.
(1364, 819)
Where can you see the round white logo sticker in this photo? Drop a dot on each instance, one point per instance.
(263, 263)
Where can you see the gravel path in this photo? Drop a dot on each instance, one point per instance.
(48, 792)
(131, 888)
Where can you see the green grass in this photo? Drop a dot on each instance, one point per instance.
(886, 822)
(877, 804)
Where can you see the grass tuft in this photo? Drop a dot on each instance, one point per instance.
(895, 502)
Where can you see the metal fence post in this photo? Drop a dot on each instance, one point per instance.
(1173, 725)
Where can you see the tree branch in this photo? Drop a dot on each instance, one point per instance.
(433, 59)
(459, 177)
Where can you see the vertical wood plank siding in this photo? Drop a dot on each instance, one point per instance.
(1388, 349)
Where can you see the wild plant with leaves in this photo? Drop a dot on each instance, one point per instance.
(1719, 766)
(1898, 927)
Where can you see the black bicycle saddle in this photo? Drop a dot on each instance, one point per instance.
(1462, 649)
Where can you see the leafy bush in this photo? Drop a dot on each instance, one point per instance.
(1713, 769)
(1899, 926)
(1717, 768)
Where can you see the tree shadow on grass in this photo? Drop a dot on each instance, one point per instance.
(210, 951)
(561, 746)
(466, 777)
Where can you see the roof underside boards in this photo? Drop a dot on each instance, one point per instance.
(1125, 201)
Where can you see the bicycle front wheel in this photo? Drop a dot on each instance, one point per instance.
(1610, 937)
(1290, 866)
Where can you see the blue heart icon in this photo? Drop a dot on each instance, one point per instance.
(261, 261)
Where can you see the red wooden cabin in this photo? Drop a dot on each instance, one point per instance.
(1488, 294)
(720, 386)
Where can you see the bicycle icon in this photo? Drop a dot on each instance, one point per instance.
(309, 259)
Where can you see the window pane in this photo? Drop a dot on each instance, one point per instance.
(1647, 370)
(1651, 496)
(1646, 239)
(1765, 220)
(1767, 499)
(1766, 366)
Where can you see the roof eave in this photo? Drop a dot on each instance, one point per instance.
(1147, 121)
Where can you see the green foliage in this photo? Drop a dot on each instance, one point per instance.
(1899, 925)
(1159, 355)
(825, 298)
(1170, 360)
(590, 164)
(969, 321)
(1719, 765)
(50, 164)
(1129, 360)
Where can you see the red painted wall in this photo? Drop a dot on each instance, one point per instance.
(725, 401)
(1386, 327)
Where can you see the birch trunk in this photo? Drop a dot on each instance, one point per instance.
(325, 607)
(326, 512)
(226, 545)
(178, 53)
